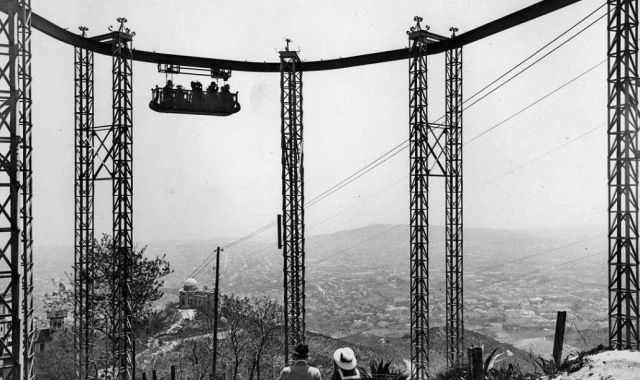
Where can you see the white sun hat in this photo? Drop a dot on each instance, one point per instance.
(345, 358)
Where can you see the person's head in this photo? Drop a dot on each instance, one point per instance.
(345, 359)
(301, 352)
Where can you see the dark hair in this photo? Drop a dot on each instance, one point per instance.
(301, 351)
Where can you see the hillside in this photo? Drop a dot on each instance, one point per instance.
(399, 348)
(169, 348)
(375, 245)
(358, 280)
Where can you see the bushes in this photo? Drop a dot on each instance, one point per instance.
(544, 366)
(568, 365)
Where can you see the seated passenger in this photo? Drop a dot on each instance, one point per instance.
(167, 92)
(213, 87)
(168, 86)
(198, 95)
(179, 95)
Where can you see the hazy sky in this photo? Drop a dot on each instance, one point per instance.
(198, 177)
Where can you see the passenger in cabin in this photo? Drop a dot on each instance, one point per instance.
(225, 89)
(179, 95)
(198, 95)
(167, 92)
(213, 87)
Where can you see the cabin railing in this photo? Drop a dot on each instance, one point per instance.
(178, 95)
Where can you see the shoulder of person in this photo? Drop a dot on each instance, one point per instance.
(315, 371)
(284, 374)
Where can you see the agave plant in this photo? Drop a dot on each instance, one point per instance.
(547, 366)
(384, 370)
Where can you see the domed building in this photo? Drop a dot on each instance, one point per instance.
(190, 284)
(191, 296)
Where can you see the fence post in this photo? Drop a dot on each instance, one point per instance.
(558, 339)
(475, 363)
(154, 376)
(144, 376)
(173, 372)
(229, 374)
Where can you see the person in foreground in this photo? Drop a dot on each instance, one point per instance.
(345, 365)
(300, 369)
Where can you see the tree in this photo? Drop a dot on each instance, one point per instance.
(57, 360)
(234, 312)
(249, 326)
(196, 351)
(264, 318)
(147, 280)
(59, 299)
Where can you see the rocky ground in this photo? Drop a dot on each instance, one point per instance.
(608, 365)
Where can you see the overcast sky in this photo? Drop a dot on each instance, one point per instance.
(198, 177)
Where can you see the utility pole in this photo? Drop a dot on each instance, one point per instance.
(215, 314)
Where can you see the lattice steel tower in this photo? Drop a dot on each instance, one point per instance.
(84, 212)
(435, 151)
(122, 197)
(453, 208)
(624, 316)
(16, 258)
(419, 187)
(24, 117)
(104, 153)
(292, 198)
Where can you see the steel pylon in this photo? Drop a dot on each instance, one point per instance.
(122, 159)
(419, 189)
(26, 169)
(624, 315)
(292, 199)
(16, 257)
(435, 150)
(104, 153)
(84, 213)
(453, 209)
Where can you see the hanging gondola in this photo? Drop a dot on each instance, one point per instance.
(213, 101)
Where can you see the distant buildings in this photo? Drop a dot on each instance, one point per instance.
(191, 296)
(56, 322)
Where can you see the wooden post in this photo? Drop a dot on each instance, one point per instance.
(216, 300)
(475, 363)
(558, 339)
(154, 376)
(279, 224)
(144, 376)
(173, 372)
(229, 372)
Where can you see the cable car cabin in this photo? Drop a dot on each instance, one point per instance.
(195, 101)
